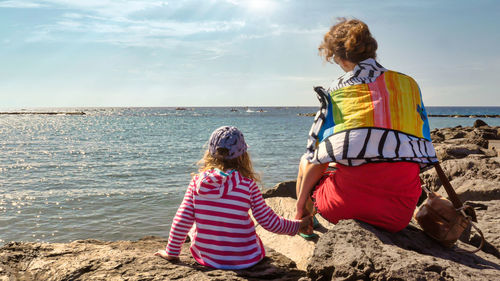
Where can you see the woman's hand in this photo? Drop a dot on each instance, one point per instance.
(163, 254)
(302, 212)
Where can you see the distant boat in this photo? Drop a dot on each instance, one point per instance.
(180, 108)
(234, 110)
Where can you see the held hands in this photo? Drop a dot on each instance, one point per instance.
(306, 219)
(163, 254)
(306, 224)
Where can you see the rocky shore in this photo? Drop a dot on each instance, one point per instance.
(350, 250)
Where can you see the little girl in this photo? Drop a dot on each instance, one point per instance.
(217, 201)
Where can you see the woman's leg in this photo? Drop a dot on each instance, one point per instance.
(308, 176)
(302, 165)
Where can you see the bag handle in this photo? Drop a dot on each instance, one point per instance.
(447, 186)
(467, 211)
(482, 239)
(452, 194)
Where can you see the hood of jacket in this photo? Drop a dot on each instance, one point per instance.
(215, 183)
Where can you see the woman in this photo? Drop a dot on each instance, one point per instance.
(372, 126)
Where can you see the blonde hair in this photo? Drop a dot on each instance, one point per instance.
(349, 40)
(242, 164)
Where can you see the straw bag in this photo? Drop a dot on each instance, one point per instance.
(444, 220)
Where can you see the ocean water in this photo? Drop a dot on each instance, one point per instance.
(120, 173)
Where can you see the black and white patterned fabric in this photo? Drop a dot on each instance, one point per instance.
(363, 145)
(363, 73)
(367, 145)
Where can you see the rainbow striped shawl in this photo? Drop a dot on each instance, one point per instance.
(371, 114)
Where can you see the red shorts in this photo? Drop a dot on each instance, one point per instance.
(381, 194)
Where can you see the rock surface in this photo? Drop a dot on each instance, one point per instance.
(472, 168)
(488, 216)
(282, 189)
(124, 260)
(295, 247)
(358, 251)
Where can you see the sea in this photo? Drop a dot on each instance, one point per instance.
(121, 173)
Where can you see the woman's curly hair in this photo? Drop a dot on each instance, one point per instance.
(349, 40)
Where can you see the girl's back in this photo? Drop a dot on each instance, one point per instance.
(224, 234)
(217, 202)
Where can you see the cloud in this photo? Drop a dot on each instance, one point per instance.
(151, 28)
(108, 8)
(40, 35)
(20, 4)
(117, 17)
(114, 8)
(159, 25)
(143, 30)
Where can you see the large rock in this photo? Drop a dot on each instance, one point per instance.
(282, 189)
(124, 260)
(465, 135)
(479, 123)
(294, 247)
(472, 166)
(358, 251)
(473, 178)
(488, 216)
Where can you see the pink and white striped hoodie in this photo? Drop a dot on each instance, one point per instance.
(224, 234)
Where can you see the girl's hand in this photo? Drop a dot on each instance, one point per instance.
(163, 254)
(306, 225)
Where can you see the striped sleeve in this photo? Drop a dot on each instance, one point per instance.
(182, 223)
(267, 218)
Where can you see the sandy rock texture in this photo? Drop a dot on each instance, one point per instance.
(472, 167)
(295, 247)
(124, 260)
(358, 251)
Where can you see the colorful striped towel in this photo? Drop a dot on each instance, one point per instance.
(371, 115)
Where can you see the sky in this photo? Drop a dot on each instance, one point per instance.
(81, 53)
